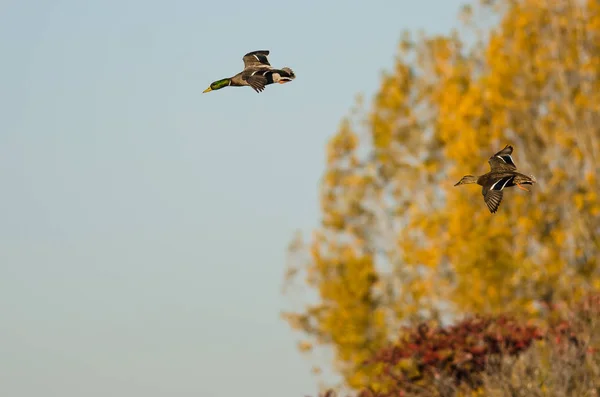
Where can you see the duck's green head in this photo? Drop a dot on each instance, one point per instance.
(217, 85)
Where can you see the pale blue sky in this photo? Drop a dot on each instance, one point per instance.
(144, 224)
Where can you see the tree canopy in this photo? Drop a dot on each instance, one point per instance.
(398, 243)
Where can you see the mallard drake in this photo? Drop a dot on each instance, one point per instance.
(503, 173)
(257, 74)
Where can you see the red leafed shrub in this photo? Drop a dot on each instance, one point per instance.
(459, 354)
(478, 353)
(460, 351)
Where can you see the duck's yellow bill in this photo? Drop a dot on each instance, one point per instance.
(207, 90)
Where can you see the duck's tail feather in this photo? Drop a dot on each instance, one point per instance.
(289, 73)
(281, 76)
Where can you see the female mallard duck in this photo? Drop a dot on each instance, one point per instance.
(257, 74)
(502, 174)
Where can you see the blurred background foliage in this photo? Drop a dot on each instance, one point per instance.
(399, 244)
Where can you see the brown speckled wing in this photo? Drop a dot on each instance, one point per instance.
(492, 199)
(256, 58)
(257, 82)
(502, 160)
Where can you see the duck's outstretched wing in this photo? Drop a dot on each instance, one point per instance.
(256, 81)
(492, 199)
(256, 58)
(502, 160)
(492, 191)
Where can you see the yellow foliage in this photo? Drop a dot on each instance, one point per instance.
(305, 346)
(398, 242)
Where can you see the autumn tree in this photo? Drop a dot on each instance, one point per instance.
(398, 243)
